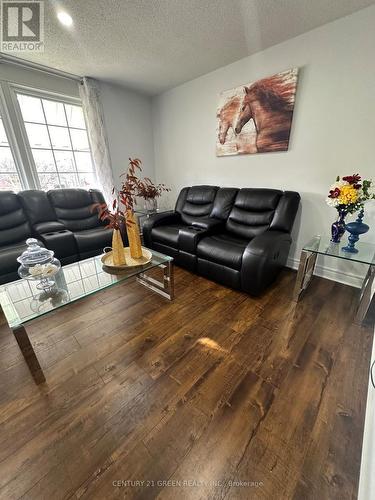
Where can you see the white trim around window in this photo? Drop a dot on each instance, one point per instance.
(11, 136)
(19, 142)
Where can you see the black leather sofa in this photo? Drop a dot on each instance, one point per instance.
(62, 220)
(238, 237)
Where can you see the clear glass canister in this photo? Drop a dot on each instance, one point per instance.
(38, 263)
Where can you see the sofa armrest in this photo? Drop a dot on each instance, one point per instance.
(61, 242)
(209, 224)
(155, 220)
(262, 260)
(189, 237)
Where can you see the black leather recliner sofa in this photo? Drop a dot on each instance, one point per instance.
(237, 237)
(62, 220)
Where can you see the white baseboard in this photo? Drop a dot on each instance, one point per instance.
(350, 279)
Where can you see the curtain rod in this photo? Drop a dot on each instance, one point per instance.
(38, 67)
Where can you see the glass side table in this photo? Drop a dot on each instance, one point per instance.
(143, 213)
(320, 245)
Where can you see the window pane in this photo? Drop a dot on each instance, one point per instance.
(38, 136)
(31, 108)
(6, 160)
(87, 181)
(10, 182)
(49, 181)
(65, 161)
(3, 137)
(44, 161)
(58, 141)
(59, 138)
(54, 112)
(79, 140)
(68, 180)
(84, 163)
(75, 116)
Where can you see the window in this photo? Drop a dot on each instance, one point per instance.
(9, 177)
(58, 142)
(43, 141)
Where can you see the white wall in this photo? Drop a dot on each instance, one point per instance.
(129, 127)
(333, 129)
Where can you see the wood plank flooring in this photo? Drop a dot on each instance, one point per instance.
(215, 395)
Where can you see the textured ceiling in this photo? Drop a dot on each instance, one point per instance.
(153, 45)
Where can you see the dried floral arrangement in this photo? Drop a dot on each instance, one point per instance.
(116, 218)
(131, 188)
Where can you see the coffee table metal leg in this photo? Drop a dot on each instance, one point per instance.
(305, 273)
(29, 354)
(164, 288)
(365, 296)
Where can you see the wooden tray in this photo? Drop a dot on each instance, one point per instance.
(130, 262)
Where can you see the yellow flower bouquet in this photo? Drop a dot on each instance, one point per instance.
(350, 193)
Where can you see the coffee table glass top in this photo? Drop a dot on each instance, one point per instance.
(21, 301)
(322, 245)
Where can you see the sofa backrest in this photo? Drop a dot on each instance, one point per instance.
(223, 203)
(96, 196)
(14, 226)
(253, 212)
(37, 206)
(74, 208)
(194, 202)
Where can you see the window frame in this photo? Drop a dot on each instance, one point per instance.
(12, 141)
(19, 143)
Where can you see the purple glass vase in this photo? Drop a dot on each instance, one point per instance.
(338, 227)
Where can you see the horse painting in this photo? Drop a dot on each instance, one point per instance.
(227, 116)
(259, 116)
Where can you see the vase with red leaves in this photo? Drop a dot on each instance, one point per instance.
(116, 220)
(132, 187)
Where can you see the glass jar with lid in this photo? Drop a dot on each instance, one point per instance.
(38, 264)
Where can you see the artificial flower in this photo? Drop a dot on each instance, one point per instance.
(350, 193)
(352, 179)
(334, 193)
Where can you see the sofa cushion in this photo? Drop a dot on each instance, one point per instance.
(93, 239)
(197, 201)
(223, 248)
(14, 226)
(167, 234)
(36, 206)
(223, 203)
(9, 255)
(74, 208)
(253, 212)
(49, 227)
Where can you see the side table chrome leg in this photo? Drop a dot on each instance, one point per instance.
(305, 273)
(365, 296)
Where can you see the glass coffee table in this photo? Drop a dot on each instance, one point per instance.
(22, 302)
(320, 245)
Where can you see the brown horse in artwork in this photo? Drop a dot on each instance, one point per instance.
(227, 116)
(269, 102)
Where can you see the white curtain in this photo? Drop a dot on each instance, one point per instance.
(92, 107)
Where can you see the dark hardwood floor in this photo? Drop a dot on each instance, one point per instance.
(215, 395)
